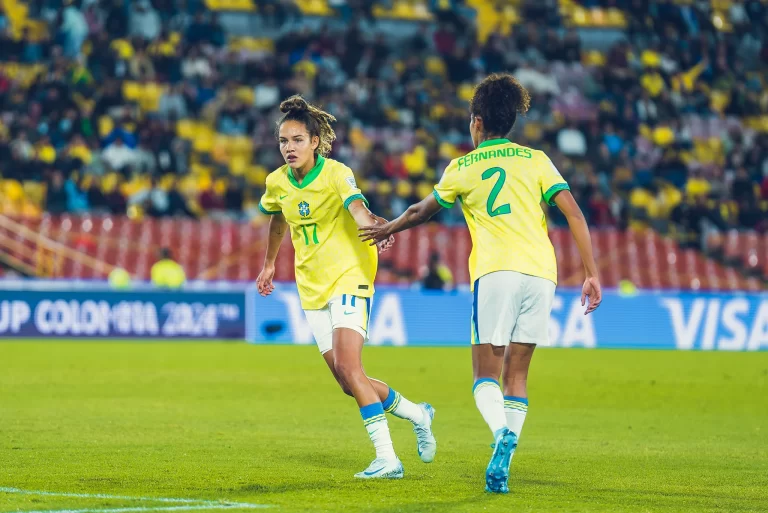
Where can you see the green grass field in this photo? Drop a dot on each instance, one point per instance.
(608, 431)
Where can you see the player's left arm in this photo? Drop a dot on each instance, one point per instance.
(356, 204)
(556, 192)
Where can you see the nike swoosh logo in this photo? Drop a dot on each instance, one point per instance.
(283, 197)
(374, 472)
(348, 313)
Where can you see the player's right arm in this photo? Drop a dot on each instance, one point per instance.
(277, 227)
(443, 196)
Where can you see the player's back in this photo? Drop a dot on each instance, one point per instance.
(500, 186)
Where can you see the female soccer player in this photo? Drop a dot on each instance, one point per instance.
(500, 186)
(318, 199)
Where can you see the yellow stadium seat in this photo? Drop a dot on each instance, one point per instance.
(466, 91)
(150, 97)
(106, 124)
(12, 190)
(35, 191)
(435, 66)
(314, 7)
(245, 95)
(237, 166)
(719, 100)
(241, 145)
(424, 189)
(384, 188)
(131, 90)
(256, 175)
(185, 128)
(615, 18)
(403, 189)
(579, 16)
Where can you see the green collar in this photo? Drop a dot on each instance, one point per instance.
(310, 176)
(492, 142)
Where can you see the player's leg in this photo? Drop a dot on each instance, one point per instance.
(348, 339)
(517, 360)
(496, 306)
(531, 329)
(359, 313)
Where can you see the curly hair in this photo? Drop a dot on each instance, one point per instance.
(498, 99)
(317, 121)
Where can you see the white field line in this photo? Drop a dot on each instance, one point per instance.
(184, 504)
(189, 507)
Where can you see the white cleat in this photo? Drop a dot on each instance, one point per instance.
(425, 440)
(381, 468)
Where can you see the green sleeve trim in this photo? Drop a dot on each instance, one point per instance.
(269, 212)
(440, 200)
(354, 197)
(548, 196)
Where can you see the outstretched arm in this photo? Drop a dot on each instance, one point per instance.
(415, 215)
(277, 228)
(365, 218)
(578, 225)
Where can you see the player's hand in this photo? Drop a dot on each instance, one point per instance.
(591, 290)
(386, 244)
(264, 281)
(375, 233)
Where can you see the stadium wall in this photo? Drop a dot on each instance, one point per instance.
(646, 320)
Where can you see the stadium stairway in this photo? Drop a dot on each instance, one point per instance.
(90, 246)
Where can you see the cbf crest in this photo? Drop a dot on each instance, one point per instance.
(304, 209)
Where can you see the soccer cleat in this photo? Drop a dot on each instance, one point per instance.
(497, 473)
(381, 468)
(425, 440)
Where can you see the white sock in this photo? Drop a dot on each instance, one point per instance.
(376, 424)
(490, 402)
(515, 408)
(401, 407)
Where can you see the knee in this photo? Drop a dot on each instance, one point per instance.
(346, 370)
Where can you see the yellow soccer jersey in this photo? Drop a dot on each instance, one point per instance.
(330, 258)
(500, 186)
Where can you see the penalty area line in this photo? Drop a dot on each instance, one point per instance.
(182, 504)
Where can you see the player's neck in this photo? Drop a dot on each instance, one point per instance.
(484, 138)
(303, 171)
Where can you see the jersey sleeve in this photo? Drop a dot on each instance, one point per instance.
(448, 189)
(551, 181)
(346, 186)
(269, 203)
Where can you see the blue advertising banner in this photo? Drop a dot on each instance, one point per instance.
(124, 314)
(645, 320)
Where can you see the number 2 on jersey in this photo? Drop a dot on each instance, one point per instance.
(501, 209)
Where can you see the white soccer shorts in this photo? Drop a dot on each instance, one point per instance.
(345, 311)
(512, 307)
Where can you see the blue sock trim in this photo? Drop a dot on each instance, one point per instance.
(371, 410)
(523, 400)
(483, 380)
(353, 301)
(389, 400)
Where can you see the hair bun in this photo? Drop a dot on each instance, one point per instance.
(294, 104)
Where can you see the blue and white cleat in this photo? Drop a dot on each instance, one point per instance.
(381, 468)
(497, 473)
(425, 440)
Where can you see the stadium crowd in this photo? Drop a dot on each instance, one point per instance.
(151, 107)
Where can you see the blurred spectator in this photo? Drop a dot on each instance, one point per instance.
(437, 276)
(167, 273)
(144, 20)
(119, 156)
